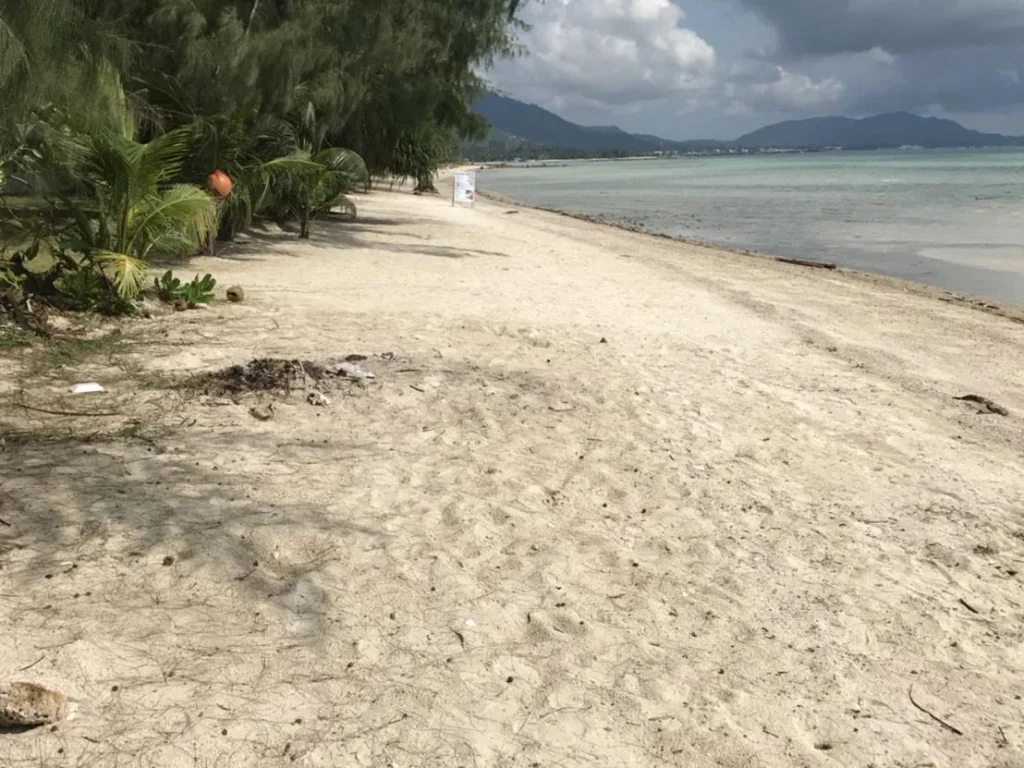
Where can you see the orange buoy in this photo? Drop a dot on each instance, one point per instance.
(220, 183)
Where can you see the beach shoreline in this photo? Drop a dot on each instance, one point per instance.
(1007, 310)
(608, 499)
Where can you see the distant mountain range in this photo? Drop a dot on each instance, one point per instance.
(530, 129)
(531, 123)
(895, 129)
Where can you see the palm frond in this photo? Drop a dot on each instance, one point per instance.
(113, 162)
(343, 162)
(112, 111)
(175, 221)
(341, 170)
(347, 206)
(289, 169)
(58, 160)
(162, 158)
(127, 273)
(13, 57)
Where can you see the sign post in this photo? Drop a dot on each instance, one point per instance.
(464, 190)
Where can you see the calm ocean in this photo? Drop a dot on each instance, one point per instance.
(949, 218)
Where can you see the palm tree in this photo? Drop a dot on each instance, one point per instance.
(332, 173)
(391, 80)
(136, 211)
(113, 202)
(316, 178)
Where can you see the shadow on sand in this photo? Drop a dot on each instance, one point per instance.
(340, 232)
(66, 502)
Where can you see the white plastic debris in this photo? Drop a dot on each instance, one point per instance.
(469, 623)
(352, 371)
(86, 388)
(318, 398)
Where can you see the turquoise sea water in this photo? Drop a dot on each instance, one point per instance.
(954, 219)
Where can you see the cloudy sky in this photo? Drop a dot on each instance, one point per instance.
(719, 68)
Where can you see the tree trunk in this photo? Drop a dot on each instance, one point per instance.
(252, 15)
(425, 185)
(226, 231)
(304, 225)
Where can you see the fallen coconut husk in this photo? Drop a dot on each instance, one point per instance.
(27, 705)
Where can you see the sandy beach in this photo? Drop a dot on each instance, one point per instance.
(610, 500)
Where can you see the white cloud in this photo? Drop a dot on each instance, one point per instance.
(607, 53)
(1011, 76)
(881, 56)
(784, 91)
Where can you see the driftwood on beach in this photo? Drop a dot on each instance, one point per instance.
(806, 263)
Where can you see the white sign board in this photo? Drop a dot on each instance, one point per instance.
(465, 188)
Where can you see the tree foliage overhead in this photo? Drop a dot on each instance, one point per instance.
(297, 101)
(407, 65)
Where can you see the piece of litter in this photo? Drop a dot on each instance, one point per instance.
(262, 413)
(469, 623)
(318, 398)
(86, 388)
(354, 372)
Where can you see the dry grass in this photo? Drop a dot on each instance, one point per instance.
(12, 337)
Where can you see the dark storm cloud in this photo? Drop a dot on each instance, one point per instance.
(976, 80)
(694, 68)
(827, 27)
(955, 55)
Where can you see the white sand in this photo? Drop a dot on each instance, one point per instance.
(736, 534)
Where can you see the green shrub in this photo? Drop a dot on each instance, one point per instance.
(195, 292)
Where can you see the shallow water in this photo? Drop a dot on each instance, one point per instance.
(954, 219)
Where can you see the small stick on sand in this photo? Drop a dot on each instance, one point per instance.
(51, 412)
(937, 719)
(23, 669)
(969, 607)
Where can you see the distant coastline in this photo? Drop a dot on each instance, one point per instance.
(556, 160)
(552, 156)
(526, 131)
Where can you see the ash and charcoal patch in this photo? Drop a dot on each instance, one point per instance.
(265, 375)
(281, 377)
